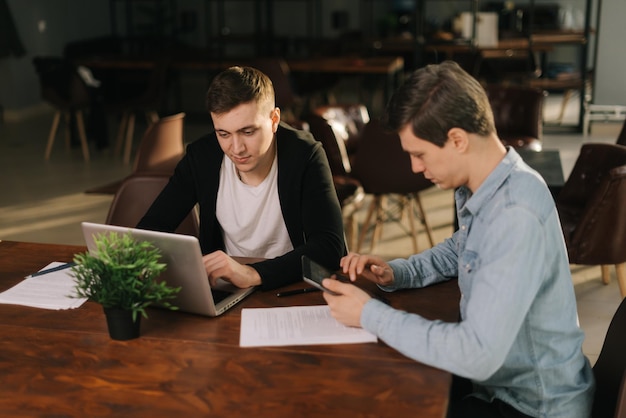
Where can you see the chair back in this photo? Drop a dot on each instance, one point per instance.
(382, 166)
(135, 196)
(518, 114)
(60, 84)
(347, 122)
(278, 71)
(591, 206)
(335, 148)
(162, 146)
(610, 367)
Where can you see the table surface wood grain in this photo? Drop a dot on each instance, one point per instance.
(63, 363)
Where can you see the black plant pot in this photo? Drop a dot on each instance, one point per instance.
(121, 324)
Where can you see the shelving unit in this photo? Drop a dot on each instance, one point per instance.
(262, 38)
(531, 40)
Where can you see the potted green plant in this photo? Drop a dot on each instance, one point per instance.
(121, 275)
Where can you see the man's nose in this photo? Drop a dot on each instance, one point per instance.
(416, 165)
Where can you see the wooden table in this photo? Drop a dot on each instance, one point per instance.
(63, 363)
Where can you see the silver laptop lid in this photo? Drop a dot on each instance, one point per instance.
(185, 268)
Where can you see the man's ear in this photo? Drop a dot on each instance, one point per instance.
(275, 116)
(459, 139)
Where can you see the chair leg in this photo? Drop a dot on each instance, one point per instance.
(410, 212)
(621, 278)
(606, 275)
(80, 124)
(366, 223)
(68, 128)
(429, 231)
(381, 217)
(52, 134)
(130, 130)
(121, 130)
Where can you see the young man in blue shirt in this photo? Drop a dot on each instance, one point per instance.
(517, 346)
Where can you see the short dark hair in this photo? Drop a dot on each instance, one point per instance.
(237, 85)
(437, 98)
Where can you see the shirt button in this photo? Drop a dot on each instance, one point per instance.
(463, 227)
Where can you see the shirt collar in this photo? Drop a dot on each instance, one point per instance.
(473, 202)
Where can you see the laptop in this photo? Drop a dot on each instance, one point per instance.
(185, 268)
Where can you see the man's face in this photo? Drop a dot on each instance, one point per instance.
(442, 166)
(246, 135)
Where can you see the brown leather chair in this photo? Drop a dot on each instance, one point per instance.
(610, 369)
(134, 197)
(518, 114)
(349, 190)
(592, 210)
(159, 151)
(61, 86)
(278, 71)
(347, 122)
(384, 170)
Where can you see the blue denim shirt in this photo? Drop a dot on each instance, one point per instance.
(518, 338)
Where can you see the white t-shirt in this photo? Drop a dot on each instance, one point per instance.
(250, 216)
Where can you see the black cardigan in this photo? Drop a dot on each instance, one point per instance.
(306, 192)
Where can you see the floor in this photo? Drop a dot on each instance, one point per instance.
(44, 201)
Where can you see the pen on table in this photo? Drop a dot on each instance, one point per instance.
(297, 291)
(51, 270)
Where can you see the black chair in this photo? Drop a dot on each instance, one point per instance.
(62, 87)
(609, 370)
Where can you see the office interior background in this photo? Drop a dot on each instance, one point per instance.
(45, 27)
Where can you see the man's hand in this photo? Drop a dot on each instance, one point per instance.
(370, 267)
(219, 265)
(348, 305)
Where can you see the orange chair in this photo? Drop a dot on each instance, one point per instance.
(134, 197)
(159, 151)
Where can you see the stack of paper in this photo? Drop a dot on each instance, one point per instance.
(297, 325)
(52, 290)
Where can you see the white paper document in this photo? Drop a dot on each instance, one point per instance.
(48, 291)
(297, 325)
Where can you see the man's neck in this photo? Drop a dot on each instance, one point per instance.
(487, 157)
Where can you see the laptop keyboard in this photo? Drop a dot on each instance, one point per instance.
(219, 295)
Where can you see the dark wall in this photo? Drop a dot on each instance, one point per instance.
(44, 27)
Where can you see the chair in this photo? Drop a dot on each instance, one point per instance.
(147, 101)
(517, 112)
(347, 122)
(62, 87)
(159, 151)
(278, 71)
(349, 191)
(609, 370)
(134, 197)
(592, 211)
(384, 169)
